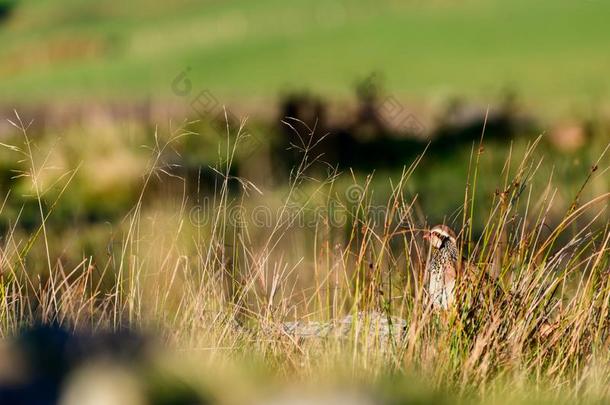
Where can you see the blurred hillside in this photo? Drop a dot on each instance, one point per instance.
(103, 83)
(553, 54)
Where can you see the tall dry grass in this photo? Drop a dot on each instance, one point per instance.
(532, 317)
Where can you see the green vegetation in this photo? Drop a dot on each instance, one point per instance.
(117, 212)
(552, 53)
(104, 161)
(215, 274)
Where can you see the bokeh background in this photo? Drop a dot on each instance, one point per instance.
(370, 86)
(383, 78)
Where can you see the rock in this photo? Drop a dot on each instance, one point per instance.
(379, 326)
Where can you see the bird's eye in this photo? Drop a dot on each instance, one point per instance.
(441, 236)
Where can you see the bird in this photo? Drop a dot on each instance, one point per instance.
(441, 268)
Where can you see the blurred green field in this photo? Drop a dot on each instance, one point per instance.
(124, 209)
(554, 54)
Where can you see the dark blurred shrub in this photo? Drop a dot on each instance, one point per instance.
(6, 9)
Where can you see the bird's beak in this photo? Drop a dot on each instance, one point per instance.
(426, 234)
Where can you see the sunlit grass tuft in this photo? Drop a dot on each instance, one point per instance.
(217, 275)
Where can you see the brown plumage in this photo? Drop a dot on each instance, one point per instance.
(444, 265)
(486, 297)
(441, 269)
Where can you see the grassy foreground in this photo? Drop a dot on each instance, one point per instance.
(214, 278)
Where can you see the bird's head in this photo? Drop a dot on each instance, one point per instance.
(439, 236)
